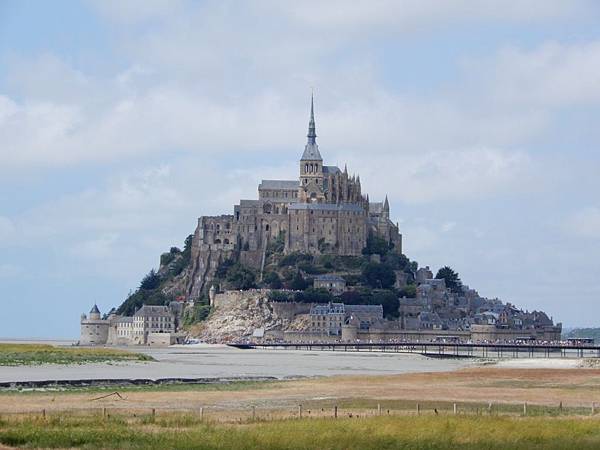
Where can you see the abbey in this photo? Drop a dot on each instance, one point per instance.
(323, 211)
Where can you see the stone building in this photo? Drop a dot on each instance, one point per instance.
(94, 330)
(150, 325)
(333, 283)
(323, 211)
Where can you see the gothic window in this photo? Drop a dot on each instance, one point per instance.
(267, 208)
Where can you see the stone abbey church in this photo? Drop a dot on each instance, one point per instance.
(323, 211)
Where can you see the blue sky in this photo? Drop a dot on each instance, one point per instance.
(122, 122)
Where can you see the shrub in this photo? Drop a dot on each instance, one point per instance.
(298, 283)
(314, 296)
(378, 275)
(272, 280)
(150, 281)
(294, 258)
(240, 277)
(280, 296)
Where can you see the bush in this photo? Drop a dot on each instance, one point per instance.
(272, 280)
(314, 296)
(298, 283)
(377, 245)
(240, 277)
(409, 291)
(280, 296)
(378, 275)
(294, 258)
(310, 268)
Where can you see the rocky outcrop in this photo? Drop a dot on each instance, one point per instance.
(237, 314)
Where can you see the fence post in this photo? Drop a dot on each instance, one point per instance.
(153, 414)
(300, 411)
(593, 408)
(335, 410)
(525, 408)
(253, 413)
(418, 409)
(104, 413)
(490, 408)
(201, 413)
(378, 409)
(455, 410)
(560, 407)
(44, 414)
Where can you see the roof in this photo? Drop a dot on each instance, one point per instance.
(153, 311)
(291, 185)
(377, 309)
(329, 308)
(327, 206)
(124, 319)
(311, 153)
(331, 169)
(329, 277)
(95, 310)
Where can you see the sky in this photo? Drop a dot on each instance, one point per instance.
(122, 122)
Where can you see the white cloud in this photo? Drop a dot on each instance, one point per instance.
(585, 223)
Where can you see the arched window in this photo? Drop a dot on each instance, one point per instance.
(305, 168)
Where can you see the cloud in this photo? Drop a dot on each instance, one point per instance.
(585, 223)
(552, 75)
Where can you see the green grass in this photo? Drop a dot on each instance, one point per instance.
(402, 432)
(31, 354)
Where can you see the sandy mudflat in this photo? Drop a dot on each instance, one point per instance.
(221, 361)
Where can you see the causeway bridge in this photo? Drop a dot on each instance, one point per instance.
(444, 350)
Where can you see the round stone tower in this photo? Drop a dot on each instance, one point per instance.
(94, 330)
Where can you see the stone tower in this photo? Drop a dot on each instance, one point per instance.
(311, 165)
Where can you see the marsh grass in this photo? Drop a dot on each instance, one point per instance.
(31, 354)
(179, 431)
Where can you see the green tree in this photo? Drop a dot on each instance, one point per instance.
(451, 278)
(376, 245)
(272, 280)
(378, 275)
(409, 291)
(240, 277)
(298, 283)
(150, 281)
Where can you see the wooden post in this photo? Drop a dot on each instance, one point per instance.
(153, 414)
(490, 408)
(593, 408)
(525, 408)
(300, 411)
(455, 409)
(560, 407)
(378, 409)
(201, 413)
(418, 409)
(104, 413)
(253, 413)
(44, 414)
(335, 410)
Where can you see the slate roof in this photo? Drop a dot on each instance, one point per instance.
(153, 311)
(95, 310)
(376, 207)
(331, 170)
(291, 185)
(330, 308)
(311, 153)
(329, 277)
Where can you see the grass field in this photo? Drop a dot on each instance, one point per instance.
(30, 354)
(179, 431)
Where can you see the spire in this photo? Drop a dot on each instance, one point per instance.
(345, 169)
(311, 150)
(312, 134)
(386, 204)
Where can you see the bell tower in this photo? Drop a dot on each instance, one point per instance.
(311, 165)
